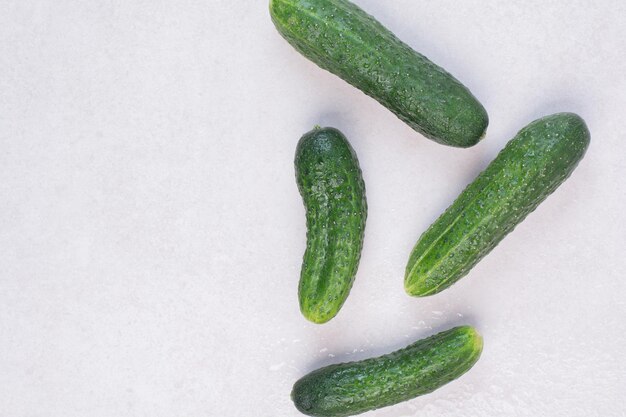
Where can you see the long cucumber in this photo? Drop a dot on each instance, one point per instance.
(340, 37)
(531, 166)
(352, 388)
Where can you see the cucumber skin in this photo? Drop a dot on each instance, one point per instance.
(530, 168)
(332, 189)
(341, 38)
(356, 387)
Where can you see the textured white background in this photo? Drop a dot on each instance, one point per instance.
(151, 232)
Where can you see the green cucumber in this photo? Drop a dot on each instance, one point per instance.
(531, 166)
(341, 38)
(330, 182)
(353, 388)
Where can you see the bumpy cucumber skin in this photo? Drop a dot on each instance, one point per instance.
(353, 388)
(330, 182)
(530, 168)
(341, 38)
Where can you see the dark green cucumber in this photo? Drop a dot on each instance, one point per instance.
(331, 185)
(353, 388)
(341, 38)
(531, 166)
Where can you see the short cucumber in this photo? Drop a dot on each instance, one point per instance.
(330, 182)
(353, 388)
(526, 172)
(341, 38)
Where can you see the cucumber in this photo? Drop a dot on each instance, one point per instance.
(353, 388)
(330, 183)
(531, 166)
(341, 38)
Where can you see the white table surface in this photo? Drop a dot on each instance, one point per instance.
(151, 231)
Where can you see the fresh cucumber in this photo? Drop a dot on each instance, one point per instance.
(341, 38)
(526, 172)
(353, 388)
(332, 188)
